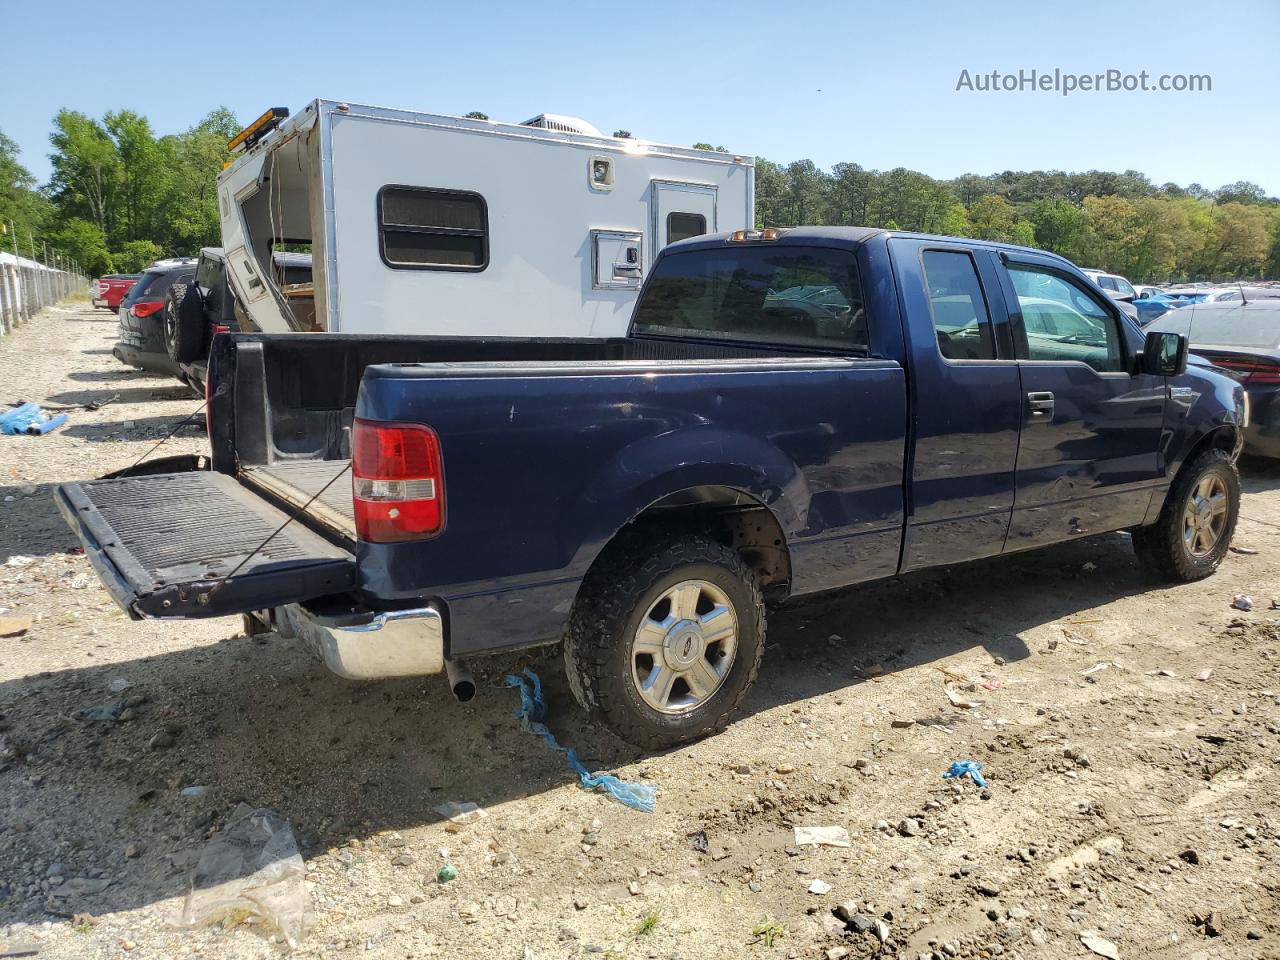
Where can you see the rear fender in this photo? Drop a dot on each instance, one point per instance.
(657, 467)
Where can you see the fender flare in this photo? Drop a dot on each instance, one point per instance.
(652, 469)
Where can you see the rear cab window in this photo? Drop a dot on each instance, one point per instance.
(960, 318)
(800, 296)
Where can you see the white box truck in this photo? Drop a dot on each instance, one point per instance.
(421, 223)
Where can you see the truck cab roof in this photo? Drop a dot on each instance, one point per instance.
(846, 237)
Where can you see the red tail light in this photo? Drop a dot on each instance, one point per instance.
(141, 310)
(397, 481)
(1253, 372)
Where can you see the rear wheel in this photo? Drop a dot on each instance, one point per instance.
(1194, 530)
(665, 639)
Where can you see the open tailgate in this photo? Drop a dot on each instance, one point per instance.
(163, 545)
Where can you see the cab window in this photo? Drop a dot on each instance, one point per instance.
(960, 318)
(1061, 321)
(763, 294)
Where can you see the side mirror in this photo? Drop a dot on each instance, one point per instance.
(1164, 354)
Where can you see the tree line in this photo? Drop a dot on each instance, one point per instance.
(1118, 222)
(120, 197)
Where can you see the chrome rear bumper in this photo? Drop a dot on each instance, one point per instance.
(371, 646)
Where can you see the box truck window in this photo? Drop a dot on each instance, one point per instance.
(682, 226)
(422, 228)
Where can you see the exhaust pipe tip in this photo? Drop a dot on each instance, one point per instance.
(461, 682)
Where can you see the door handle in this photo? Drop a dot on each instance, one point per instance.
(1040, 404)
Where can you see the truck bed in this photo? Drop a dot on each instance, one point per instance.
(322, 487)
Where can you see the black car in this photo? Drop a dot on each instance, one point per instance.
(142, 342)
(1242, 339)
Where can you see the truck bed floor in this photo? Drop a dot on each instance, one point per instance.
(296, 482)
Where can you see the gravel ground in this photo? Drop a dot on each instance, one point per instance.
(1129, 730)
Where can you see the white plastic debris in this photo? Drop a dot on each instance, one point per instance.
(959, 700)
(252, 865)
(462, 811)
(822, 836)
(194, 791)
(1099, 945)
(119, 685)
(820, 887)
(1242, 601)
(17, 560)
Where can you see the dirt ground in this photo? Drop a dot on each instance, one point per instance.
(1129, 731)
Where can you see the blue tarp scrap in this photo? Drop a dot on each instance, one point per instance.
(29, 418)
(962, 768)
(533, 710)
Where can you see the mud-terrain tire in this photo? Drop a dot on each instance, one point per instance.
(1177, 546)
(605, 643)
(185, 330)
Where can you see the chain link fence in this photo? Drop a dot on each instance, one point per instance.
(28, 286)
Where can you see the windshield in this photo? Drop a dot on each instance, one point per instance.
(770, 294)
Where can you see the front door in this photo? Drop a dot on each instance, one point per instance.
(679, 211)
(1091, 425)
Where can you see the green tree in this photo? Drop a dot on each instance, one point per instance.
(86, 170)
(476, 115)
(993, 218)
(1056, 224)
(83, 242)
(807, 191)
(772, 201)
(21, 204)
(136, 255)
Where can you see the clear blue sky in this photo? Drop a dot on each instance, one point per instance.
(863, 82)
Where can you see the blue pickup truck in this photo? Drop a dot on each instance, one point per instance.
(793, 410)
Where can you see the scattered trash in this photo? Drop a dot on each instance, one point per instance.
(993, 683)
(1072, 637)
(1205, 674)
(461, 812)
(959, 700)
(193, 791)
(533, 710)
(1100, 666)
(446, 873)
(106, 713)
(1089, 567)
(1162, 672)
(966, 768)
(119, 685)
(822, 836)
(29, 418)
(17, 560)
(1103, 948)
(820, 887)
(1242, 601)
(251, 866)
(14, 626)
(1246, 551)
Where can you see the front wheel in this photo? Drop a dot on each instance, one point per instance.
(665, 639)
(1194, 530)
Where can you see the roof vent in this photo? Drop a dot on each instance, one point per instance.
(558, 121)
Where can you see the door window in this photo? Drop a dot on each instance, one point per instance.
(960, 317)
(682, 226)
(1062, 321)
